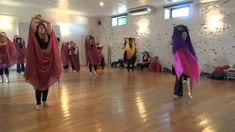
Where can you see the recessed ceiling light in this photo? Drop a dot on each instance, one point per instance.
(101, 3)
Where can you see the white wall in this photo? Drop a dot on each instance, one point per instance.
(212, 29)
(9, 24)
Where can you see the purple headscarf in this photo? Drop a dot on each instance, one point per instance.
(179, 42)
(185, 59)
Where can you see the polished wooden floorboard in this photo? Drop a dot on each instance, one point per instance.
(117, 101)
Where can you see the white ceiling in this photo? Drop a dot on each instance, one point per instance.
(74, 7)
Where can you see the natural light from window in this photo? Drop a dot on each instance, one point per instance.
(180, 12)
(118, 21)
(114, 22)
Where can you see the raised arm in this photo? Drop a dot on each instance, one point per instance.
(39, 19)
(47, 21)
(34, 22)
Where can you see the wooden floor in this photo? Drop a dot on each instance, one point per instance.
(116, 101)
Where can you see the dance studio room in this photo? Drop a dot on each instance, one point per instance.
(117, 65)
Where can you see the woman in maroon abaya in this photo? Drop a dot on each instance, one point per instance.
(154, 65)
(65, 55)
(74, 56)
(43, 65)
(7, 56)
(20, 53)
(99, 54)
(91, 54)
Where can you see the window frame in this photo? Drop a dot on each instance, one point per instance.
(175, 7)
(117, 20)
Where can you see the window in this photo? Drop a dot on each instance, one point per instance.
(180, 12)
(177, 11)
(120, 20)
(114, 22)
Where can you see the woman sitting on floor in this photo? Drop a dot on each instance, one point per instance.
(155, 65)
(145, 62)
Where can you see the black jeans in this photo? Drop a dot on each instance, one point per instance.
(41, 95)
(20, 68)
(5, 70)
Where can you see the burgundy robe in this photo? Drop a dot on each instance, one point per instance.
(20, 52)
(43, 66)
(91, 52)
(75, 59)
(154, 66)
(99, 54)
(65, 53)
(7, 54)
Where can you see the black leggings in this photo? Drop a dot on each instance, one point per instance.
(5, 70)
(20, 68)
(41, 95)
(179, 84)
(90, 67)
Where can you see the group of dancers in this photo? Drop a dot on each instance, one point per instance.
(70, 56)
(44, 58)
(93, 52)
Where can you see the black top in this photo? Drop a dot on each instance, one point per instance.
(41, 42)
(19, 44)
(145, 59)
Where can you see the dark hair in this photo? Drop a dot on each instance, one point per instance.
(39, 24)
(3, 34)
(177, 39)
(181, 28)
(91, 37)
(58, 39)
(147, 54)
(18, 38)
(71, 42)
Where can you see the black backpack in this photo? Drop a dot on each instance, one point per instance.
(218, 75)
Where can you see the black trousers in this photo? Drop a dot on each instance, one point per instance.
(178, 90)
(20, 68)
(131, 64)
(142, 66)
(90, 67)
(41, 95)
(102, 62)
(5, 70)
(179, 84)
